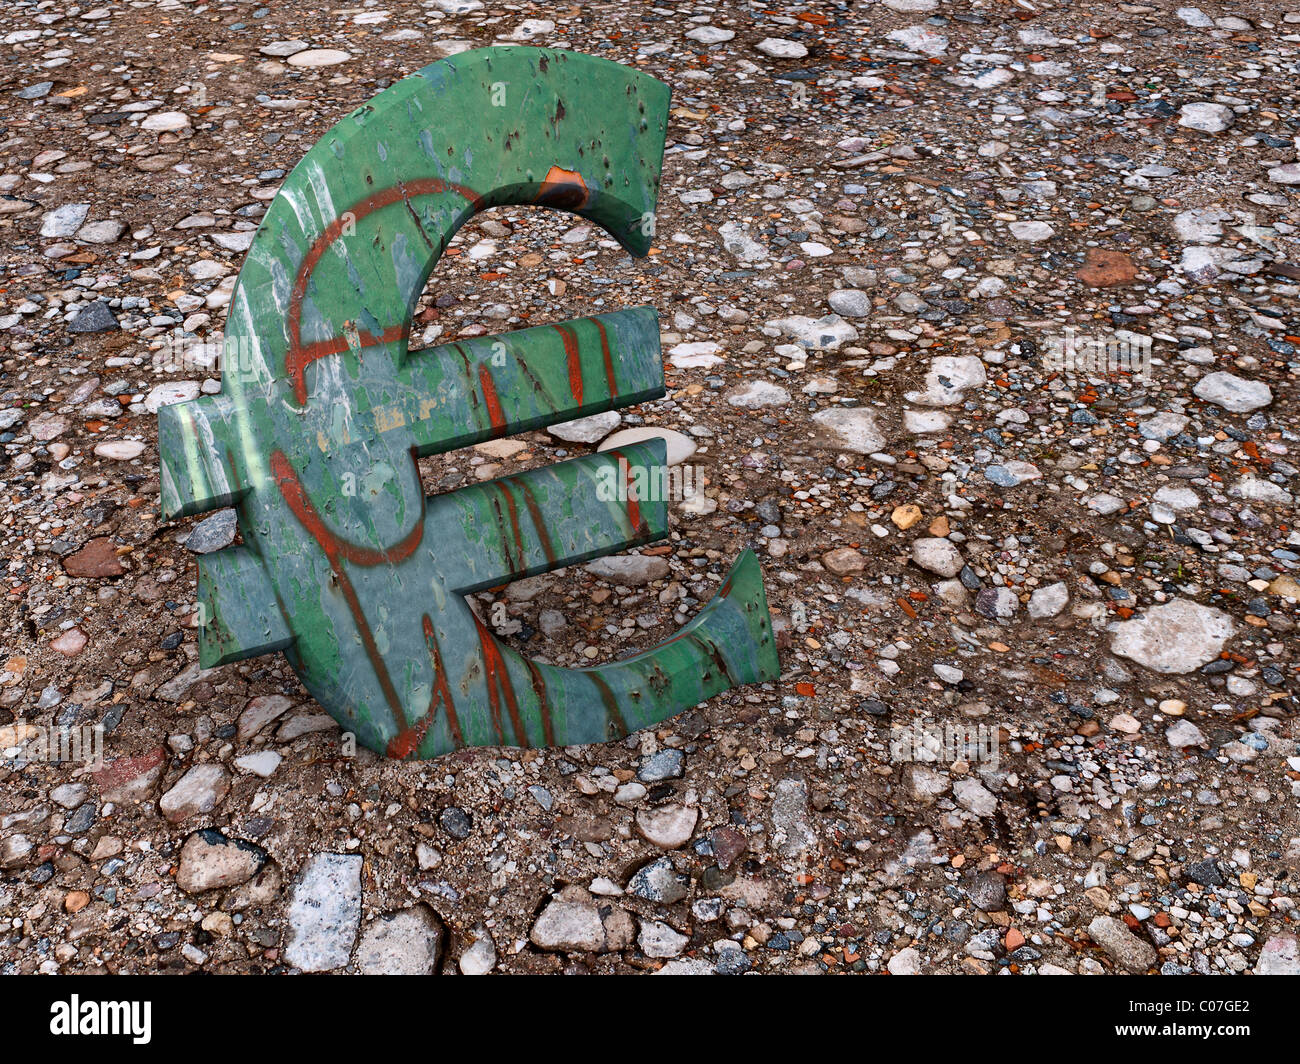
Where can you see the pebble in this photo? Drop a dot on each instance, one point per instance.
(119, 450)
(197, 792)
(212, 533)
(668, 826)
(629, 570)
(166, 122)
(1233, 393)
(1122, 945)
(96, 317)
(755, 395)
(572, 922)
(319, 57)
(407, 942)
(679, 447)
(853, 429)
(479, 958)
(1175, 637)
(64, 221)
(324, 913)
(938, 556)
(1205, 116)
(657, 939)
(1049, 601)
(792, 830)
(591, 429)
(778, 48)
(210, 861)
(659, 881)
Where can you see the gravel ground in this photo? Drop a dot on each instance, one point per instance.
(1037, 613)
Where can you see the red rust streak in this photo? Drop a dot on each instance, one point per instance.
(498, 685)
(291, 488)
(574, 357)
(337, 551)
(441, 692)
(611, 703)
(519, 562)
(495, 415)
(608, 357)
(629, 480)
(299, 357)
(535, 512)
(543, 700)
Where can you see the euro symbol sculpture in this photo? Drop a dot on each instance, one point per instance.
(345, 565)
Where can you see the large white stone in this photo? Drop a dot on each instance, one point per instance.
(587, 429)
(948, 380)
(1233, 393)
(851, 429)
(1176, 637)
(679, 446)
(1205, 116)
(325, 913)
(319, 57)
(778, 48)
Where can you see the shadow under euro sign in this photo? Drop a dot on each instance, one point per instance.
(345, 565)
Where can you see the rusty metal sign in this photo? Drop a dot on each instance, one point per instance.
(345, 566)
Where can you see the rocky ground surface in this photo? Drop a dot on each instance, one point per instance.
(880, 223)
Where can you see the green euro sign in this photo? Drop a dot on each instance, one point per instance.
(345, 566)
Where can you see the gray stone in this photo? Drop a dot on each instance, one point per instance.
(756, 394)
(408, 942)
(779, 48)
(1280, 956)
(987, 891)
(820, 334)
(260, 712)
(212, 533)
(1206, 117)
(1121, 945)
(1233, 393)
(659, 881)
(657, 939)
(95, 318)
(64, 221)
(996, 602)
(948, 380)
(1183, 733)
(792, 830)
(325, 912)
(36, 91)
(850, 302)
(479, 958)
(851, 429)
(905, 962)
(667, 826)
(678, 445)
(591, 429)
(106, 232)
(629, 570)
(195, 793)
(974, 796)
(1175, 637)
(572, 921)
(1048, 601)
(664, 765)
(938, 556)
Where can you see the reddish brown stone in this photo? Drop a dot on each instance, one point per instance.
(98, 558)
(1104, 269)
(131, 779)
